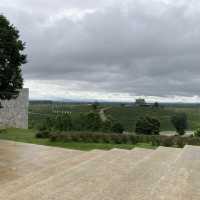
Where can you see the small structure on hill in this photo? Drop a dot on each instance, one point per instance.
(142, 103)
(14, 112)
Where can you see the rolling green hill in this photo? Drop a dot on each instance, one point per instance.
(129, 115)
(125, 115)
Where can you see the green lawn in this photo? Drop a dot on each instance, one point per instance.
(28, 136)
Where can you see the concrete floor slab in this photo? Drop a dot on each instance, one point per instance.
(182, 180)
(19, 159)
(36, 176)
(36, 172)
(87, 178)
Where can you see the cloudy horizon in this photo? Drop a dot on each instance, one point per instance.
(113, 50)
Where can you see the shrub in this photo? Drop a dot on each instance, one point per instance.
(82, 137)
(156, 140)
(39, 135)
(147, 125)
(53, 137)
(78, 122)
(3, 131)
(193, 141)
(117, 128)
(125, 139)
(86, 137)
(133, 139)
(41, 127)
(180, 142)
(91, 122)
(62, 122)
(179, 121)
(106, 126)
(49, 122)
(167, 141)
(197, 132)
(67, 138)
(96, 138)
(116, 138)
(42, 134)
(75, 137)
(106, 138)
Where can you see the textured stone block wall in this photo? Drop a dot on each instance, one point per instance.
(14, 113)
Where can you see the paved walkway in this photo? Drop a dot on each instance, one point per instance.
(35, 172)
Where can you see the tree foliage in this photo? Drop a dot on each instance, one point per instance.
(84, 122)
(95, 105)
(106, 126)
(147, 125)
(179, 121)
(156, 105)
(92, 121)
(197, 132)
(11, 59)
(117, 128)
(63, 122)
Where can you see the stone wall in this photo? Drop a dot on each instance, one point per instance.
(14, 113)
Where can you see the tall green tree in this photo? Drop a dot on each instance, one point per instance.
(91, 122)
(95, 105)
(180, 123)
(147, 125)
(11, 60)
(63, 122)
(117, 128)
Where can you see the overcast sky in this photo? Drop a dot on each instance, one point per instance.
(109, 49)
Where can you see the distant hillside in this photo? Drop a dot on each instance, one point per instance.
(129, 115)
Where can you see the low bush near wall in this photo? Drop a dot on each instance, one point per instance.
(3, 131)
(43, 134)
(156, 140)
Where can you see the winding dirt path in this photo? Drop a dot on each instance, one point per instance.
(103, 115)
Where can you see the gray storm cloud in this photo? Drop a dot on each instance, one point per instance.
(139, 47)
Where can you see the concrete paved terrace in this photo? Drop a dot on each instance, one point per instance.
(34, 172)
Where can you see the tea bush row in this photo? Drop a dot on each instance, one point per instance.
(42, 134)
(155, 140)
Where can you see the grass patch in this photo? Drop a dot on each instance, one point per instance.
(28, 136)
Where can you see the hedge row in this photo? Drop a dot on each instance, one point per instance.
(3, 131)
(156, 140)
(43, 134)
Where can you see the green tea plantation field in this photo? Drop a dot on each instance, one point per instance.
(128, 116)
